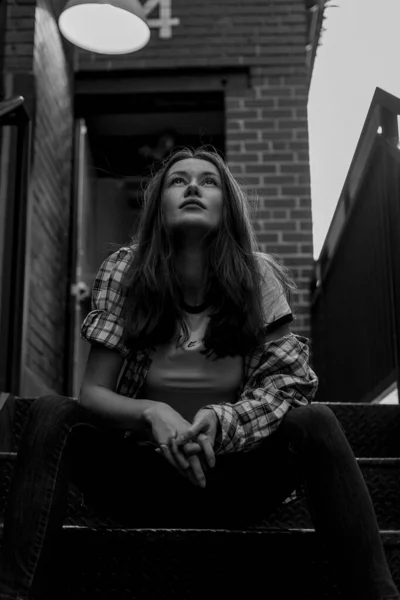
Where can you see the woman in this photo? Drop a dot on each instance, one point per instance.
(189, 387)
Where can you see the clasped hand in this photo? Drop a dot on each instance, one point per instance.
(187, 447)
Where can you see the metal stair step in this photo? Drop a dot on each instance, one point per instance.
(382, 476)
(373, 430)
(170, 564)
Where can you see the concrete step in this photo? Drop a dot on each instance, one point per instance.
(382, 476)
(171, 564)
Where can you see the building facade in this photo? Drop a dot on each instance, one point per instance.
(234, 74)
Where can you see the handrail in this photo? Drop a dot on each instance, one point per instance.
(15, 115)
(382, 113)
(12, 106)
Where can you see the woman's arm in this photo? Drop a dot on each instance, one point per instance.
(150, 417)
(282, 380)
(96, 394)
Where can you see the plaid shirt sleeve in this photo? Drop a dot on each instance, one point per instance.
(105, 324)
(282, 380)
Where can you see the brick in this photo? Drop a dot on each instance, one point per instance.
(282, 226)
(278, 158)
(270, 191)
(233, 146)
(301, 92)
(301, 113)
(232, 125)
(305, 225)
(265, 103)
(238, 136)
(244, 157)
(276, 114)
(278, 146)
(279, 179)
(255, 146)
(302, 156)
(20, 49)
(242, 114)
(299, 190)
(305, 202)
(304, 178)
(276, 92)
(280, 214)
(295, 168)
(297, 237)
(276, 135)
(269, 168)
(236, 169)
(284, 102)
(301, 134)
(20, 36)
(260, 168)
(267, 237)
(20, 10)
(280, 203)
(260, 124)
(292, 124)
(295, 145)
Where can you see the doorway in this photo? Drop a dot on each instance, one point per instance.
(120, 140)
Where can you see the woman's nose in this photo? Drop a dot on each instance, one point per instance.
(192, 190)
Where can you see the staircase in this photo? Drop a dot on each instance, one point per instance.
(280, 555)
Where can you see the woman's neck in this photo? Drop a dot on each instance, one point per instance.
(191, 275)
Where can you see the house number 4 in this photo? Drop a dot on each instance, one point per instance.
(164, 22)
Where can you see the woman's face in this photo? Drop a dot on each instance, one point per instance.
(197, 180)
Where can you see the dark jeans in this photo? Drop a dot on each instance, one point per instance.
(64, 442)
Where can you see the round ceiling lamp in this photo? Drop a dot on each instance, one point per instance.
(107, 27)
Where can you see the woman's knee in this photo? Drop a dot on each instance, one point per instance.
(51, 409)
(316, 421)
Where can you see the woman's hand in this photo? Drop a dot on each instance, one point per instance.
(166, 424)
(203, 430)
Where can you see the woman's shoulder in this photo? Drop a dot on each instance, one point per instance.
(125, 253)
(120, 258)
(116, 266)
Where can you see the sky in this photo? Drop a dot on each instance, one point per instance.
(360, 51)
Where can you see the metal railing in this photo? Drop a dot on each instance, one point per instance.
(355, 310)
(13, 113)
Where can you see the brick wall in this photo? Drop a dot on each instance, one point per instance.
(224, 33)
(267, 150)
(33, 44)
(19, 36)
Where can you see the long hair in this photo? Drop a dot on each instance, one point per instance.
(232, 275)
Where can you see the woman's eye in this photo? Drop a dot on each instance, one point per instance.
(210, 180)
(176, 180)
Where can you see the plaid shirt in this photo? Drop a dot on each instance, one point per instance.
(277, 376)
